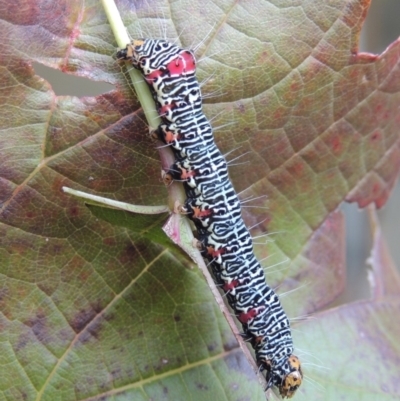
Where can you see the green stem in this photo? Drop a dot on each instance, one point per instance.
(141, 88)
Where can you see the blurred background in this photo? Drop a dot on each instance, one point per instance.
(381, 28)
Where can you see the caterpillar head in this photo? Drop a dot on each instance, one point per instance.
(292, 381)
(148, 55)
(287, 378)
(132, 52)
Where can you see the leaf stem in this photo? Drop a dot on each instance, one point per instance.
(117, 204)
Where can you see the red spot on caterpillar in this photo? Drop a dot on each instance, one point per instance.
(257, 340)
(230, 286)
(183, 64)
(170, 137)
(165, 109)
(246, 317)
(185, 174)
(213, 253)
(153, 76)
(199, 214)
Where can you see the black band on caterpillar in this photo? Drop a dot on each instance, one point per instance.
(214, 207)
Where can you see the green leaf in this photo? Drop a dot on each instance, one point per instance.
(92, 308)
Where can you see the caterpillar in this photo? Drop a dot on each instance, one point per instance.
(214, 208)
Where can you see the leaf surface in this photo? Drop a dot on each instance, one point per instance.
(99, 306)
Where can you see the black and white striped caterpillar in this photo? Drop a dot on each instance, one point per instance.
(214, 207)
